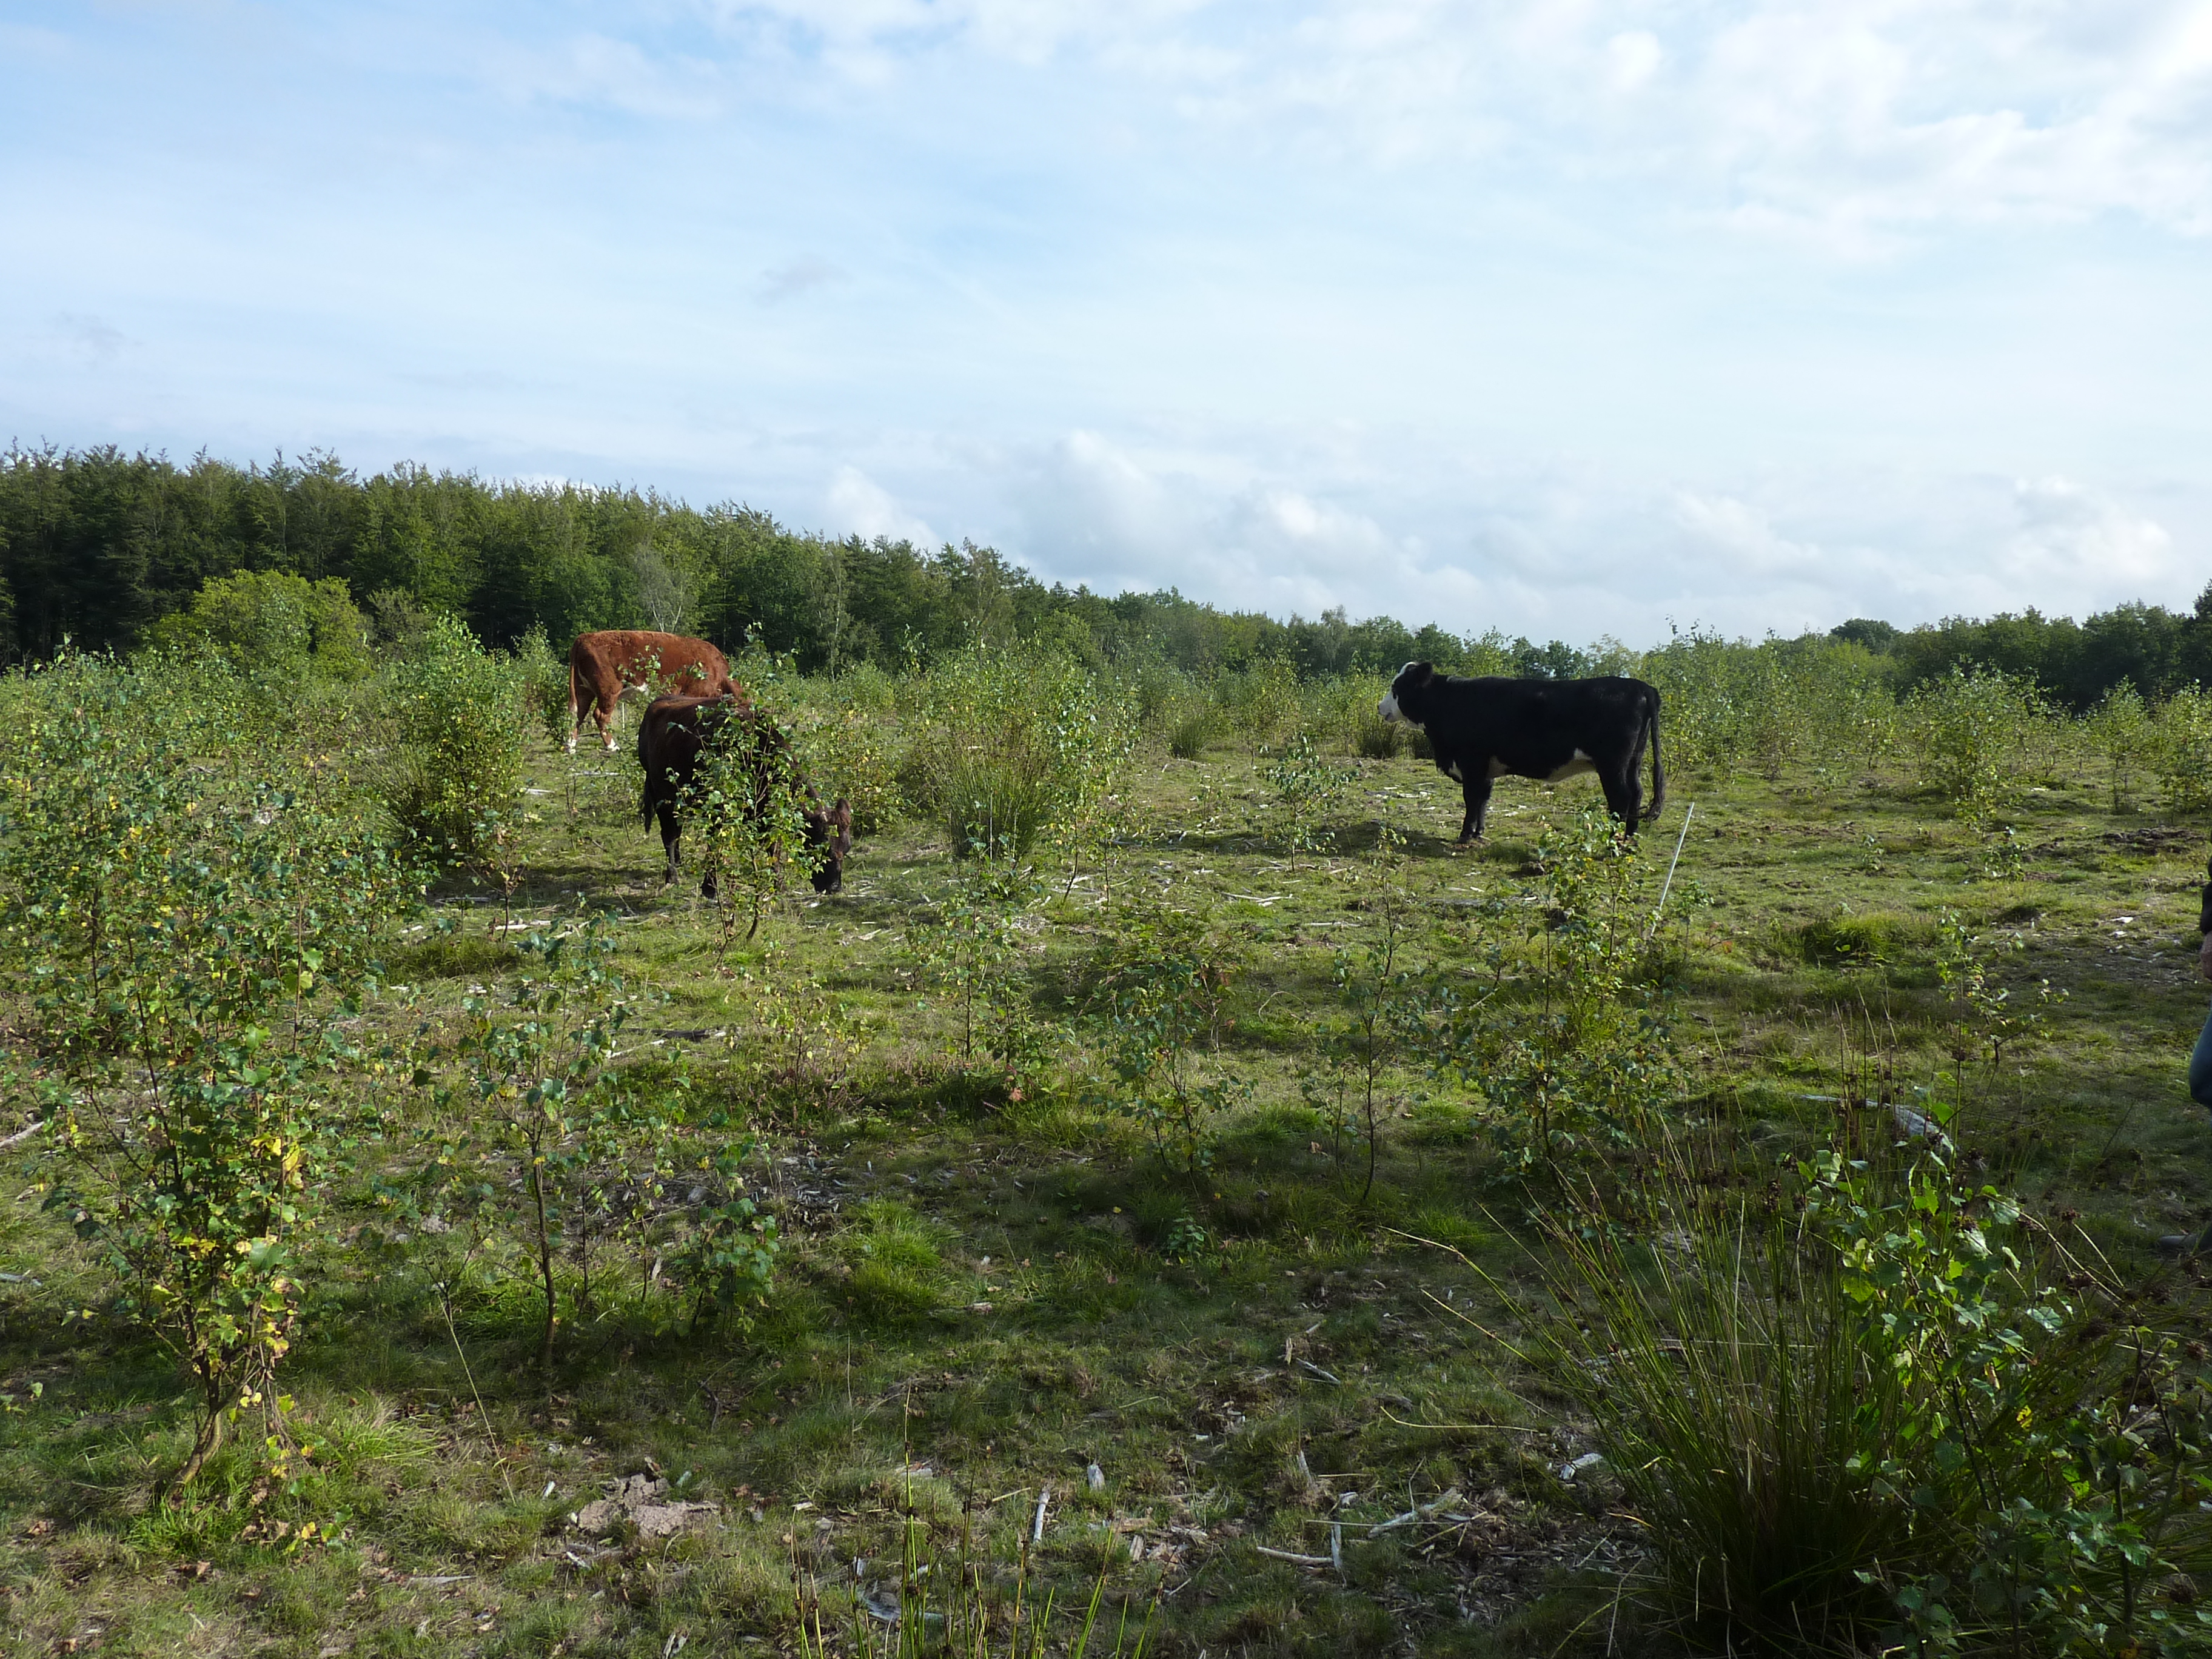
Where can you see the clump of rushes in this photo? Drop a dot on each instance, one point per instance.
(1854, 1406)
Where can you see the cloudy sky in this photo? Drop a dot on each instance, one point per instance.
(1570, 317)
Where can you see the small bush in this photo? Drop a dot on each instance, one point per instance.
(1374, 737)
(2181, 750)
(1163, 983)
(1192, 725)
(849, 749)
(1305, 786)
(1006, 744)
(543, 677)
(183, 916)
(1970, 729)
(271, 622)
(1260, 702)
(458, 775)
(2120, 730)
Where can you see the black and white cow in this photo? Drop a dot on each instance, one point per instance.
(1493, 728)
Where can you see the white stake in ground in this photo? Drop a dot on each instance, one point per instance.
(1666, 885)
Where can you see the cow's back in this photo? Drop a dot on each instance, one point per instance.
(1534, 723)
(672, 734)
(636, 656)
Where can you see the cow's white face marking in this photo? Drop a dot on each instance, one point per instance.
(1574, 767)
(1387, 708)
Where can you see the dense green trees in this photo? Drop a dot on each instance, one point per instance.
(99, 547)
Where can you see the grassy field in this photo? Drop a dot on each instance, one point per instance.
(999, 1313)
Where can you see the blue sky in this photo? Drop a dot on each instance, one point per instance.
(1572, 319)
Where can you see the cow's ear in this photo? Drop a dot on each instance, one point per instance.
(1423, 672)
(841, 813)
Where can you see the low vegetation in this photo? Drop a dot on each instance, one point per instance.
(1172, 1201)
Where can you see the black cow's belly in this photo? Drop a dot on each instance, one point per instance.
(1551, 762)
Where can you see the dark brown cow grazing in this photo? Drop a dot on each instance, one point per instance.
(677, 732)
(606, 667)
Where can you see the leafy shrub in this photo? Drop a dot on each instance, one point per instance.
(1159, 1003)
(1005, 744)
(182, 924)
(2181, 750)
(1374, 737)
(1865, 1412)
(2119, 728)
(398, 623)
(745, 821)
(1260, 702)
(1384, 1006)
(976, 945)
(1571, 1054)
(1970, 729)
(561, 1150)
(1305, 787)
(542, 674)
(1730, 702)
(273, 622)
(849, 749)
(456, 777)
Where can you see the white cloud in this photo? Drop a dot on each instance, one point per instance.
(602, 71)
(2072, 536)
(1729, 536)
(1840, 120)
(1632, 57)
(859, 506)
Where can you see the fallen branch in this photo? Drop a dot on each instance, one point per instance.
(1044, 1502)
(21, 1135)
(1423, 1512)
(1292, 1555)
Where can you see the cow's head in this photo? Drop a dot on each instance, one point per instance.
(1412, 679)
(830, 834)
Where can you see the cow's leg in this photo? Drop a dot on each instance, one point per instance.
(1624, 790)
(579, 708)
(1476, 788)
(672, 833)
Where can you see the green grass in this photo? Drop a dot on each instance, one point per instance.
(984, 1285)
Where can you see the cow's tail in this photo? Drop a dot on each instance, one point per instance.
(575, 718)
(1658, 770)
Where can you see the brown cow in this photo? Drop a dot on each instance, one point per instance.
(676, 732)
(606, 667)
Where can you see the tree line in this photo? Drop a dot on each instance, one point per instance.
(98, 546)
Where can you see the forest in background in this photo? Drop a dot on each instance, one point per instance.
(98, 546)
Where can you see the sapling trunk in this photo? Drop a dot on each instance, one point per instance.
(545, 1256)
